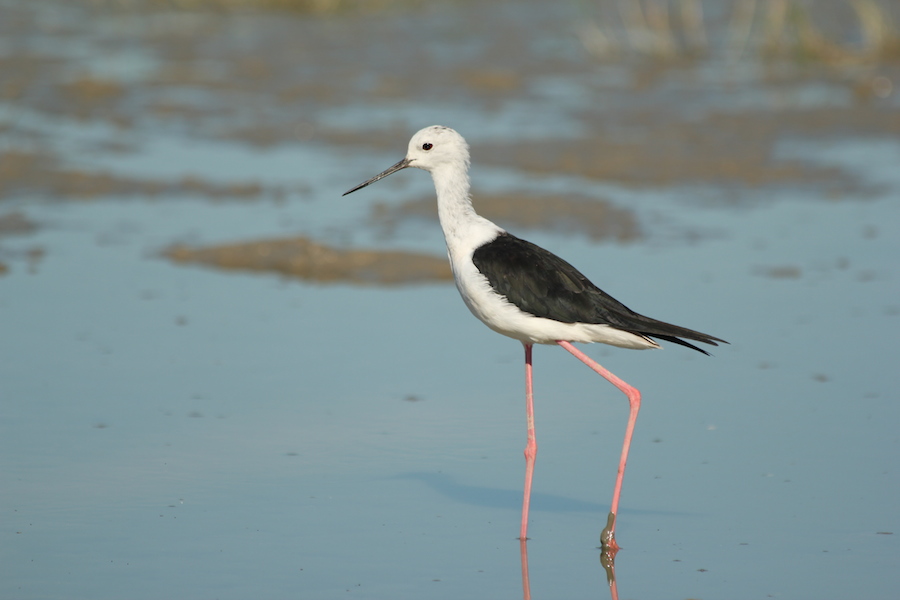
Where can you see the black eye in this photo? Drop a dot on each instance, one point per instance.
(427, 146)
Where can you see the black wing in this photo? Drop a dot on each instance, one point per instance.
(544, 285)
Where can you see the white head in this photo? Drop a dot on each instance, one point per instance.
(429, 149)
(435, 146)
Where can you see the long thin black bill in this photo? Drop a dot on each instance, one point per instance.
(400, 165)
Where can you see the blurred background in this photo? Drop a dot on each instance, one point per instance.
(220, 379)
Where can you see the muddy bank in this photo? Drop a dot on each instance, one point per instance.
(652, 150)
(40, 174)
(83, 83)
(311, 261)
(594, 218)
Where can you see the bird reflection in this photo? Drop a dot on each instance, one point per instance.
(607, 561)
(526, 584)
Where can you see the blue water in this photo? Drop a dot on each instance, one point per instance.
(180, 432)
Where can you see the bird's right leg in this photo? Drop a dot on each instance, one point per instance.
(608, 536)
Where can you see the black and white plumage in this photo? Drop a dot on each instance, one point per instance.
(545, 286)
(527, 293)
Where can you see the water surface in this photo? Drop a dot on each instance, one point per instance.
(171, 430)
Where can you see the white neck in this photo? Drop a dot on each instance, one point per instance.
(462, 226)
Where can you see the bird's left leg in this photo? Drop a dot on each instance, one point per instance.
(608, 536)
(531, 444)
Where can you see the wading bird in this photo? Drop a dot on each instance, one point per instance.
(527, 293)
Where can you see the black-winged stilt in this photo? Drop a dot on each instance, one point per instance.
(529, 294)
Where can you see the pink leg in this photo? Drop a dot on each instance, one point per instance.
(530, 446)
(526, 584)
(608, 537)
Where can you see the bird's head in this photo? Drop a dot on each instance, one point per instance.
(429, 149)
(436, 146)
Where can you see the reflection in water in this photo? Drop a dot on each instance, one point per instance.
(526, 584)
(493, 497)
(607, 561)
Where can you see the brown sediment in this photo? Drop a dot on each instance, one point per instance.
(572, 214)
(304, 259)
(90, 96)
(16, 223)
(658, 150)
(315, 7)
(285, 76)
(262, 80)
(23, 172)
(490, 81)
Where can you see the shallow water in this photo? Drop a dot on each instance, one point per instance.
(180, 431)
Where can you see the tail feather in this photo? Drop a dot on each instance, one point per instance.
(673, 333)
(681, 342)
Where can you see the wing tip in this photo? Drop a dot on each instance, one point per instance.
(712, 341)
